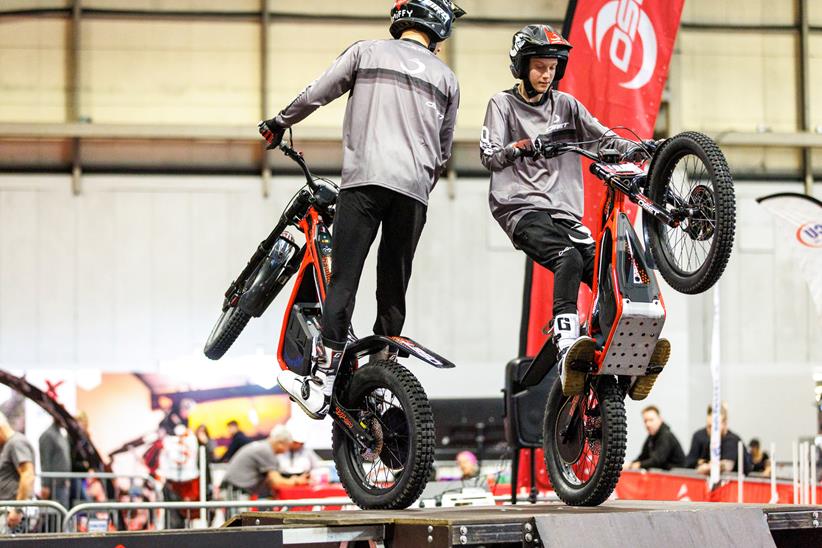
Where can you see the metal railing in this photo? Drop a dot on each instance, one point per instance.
(39, 516)
(111, 514)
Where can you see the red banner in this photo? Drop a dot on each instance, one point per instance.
(617, 69)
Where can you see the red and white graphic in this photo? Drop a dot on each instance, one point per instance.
(617, 69)
(810, 234)
(631, 32)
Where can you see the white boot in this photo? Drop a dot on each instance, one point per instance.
(313, 392)
(566, 330)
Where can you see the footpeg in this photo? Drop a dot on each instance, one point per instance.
(643, 385)
(576, 362)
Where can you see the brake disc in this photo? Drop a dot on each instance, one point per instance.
(374, 427)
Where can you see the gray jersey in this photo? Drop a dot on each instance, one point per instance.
(400, 117)
(527, 184)
(15, 452)
(249, 467)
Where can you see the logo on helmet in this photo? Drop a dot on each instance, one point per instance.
(628, 21)
(810, 234)
(519, 41)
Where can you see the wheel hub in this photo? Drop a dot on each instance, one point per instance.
(702, 211)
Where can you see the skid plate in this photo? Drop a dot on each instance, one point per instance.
(635, 335)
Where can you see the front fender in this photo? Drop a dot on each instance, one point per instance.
(403, 345)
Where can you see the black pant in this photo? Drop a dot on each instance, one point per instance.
(565, 248)
(360, 211)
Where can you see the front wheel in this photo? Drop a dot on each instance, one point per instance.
(691, 180)
(388, 398)
(584, 441)
(228, 327)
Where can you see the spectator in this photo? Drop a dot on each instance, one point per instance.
(760, 460)
(661, 448)
(204, 440)
(16, 472)
(238, 440)
(255, 470)
(699, 456)
(298, 459)
(468, 465)
(55, 456)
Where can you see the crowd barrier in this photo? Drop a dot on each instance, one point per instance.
(39, 516)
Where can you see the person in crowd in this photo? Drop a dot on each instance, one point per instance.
(255, 468)
(699, 457)
(468, 465)
(16, 473)
(204, 440)
(78, 463)
(397, 137)
(55, 456)
(661, 448)
(760, 460)
(299, 459)
(238, 440)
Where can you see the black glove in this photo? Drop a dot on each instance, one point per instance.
(271, 132)
(518, 149)
(546, 147)
(642, 151)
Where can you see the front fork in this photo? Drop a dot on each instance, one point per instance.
(355, 428)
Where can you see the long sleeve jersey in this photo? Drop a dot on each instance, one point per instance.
(400, 116)
(545, 184)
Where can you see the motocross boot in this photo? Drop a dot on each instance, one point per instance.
(573, 361)
(313, 392)
(643, 385)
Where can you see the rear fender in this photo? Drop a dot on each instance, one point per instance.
(403, 345)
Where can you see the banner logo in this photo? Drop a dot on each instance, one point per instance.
(810, 234)
(628, 21)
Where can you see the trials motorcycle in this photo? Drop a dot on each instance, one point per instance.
(383, 433)
(685, 193)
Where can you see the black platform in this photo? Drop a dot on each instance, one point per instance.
(615, 524)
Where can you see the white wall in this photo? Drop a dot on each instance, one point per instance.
(130, 274)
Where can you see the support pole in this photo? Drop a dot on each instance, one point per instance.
(75, 104)
(265, 170)
(795, 470)
(774, 492)
(805, 92)
(740, 472)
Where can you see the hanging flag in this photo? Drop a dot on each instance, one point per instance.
(617, 69)
(800, 219)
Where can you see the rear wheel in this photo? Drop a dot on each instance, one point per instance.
(391, 401)
(584, 441)
(691, 180)
(228, 327)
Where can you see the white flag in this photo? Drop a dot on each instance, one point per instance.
(801, 219)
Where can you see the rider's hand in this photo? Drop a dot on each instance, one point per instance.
(518, 149)
(643, 150)
(272, 132)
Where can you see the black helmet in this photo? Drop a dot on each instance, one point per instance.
(434, 17)
(538, 41)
